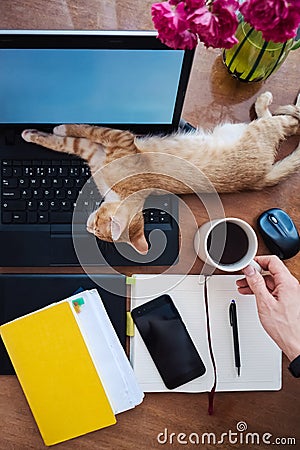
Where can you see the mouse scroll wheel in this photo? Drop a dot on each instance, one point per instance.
(273, 219)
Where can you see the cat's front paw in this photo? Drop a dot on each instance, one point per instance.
(266, 98)
(60, 130)
(262, 105)
(28, 135)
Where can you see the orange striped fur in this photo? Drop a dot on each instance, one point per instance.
(127, 168)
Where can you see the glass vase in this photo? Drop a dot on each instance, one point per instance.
(253, 58)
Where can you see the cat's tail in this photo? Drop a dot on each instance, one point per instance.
(282, 169)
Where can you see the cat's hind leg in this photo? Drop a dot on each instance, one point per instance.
(262, 105)
(282, 169)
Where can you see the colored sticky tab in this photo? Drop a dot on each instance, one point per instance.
(130, 280)
(78, 304)
(129, 324)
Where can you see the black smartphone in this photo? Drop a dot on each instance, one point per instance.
(168, 341)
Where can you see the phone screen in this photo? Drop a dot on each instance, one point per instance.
(168, 341)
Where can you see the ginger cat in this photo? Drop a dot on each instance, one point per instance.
(127, 168)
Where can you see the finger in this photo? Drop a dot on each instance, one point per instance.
(258, 286)
(269, 280)
(245, 290)
(272, 264)
(241, 282)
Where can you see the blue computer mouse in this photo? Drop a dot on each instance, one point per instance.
(279, 233)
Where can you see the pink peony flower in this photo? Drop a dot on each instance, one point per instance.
(182, 23)
(172, 26)
(278, 20)
(194, 4)
(216, 28)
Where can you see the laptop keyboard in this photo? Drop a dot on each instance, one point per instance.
(45, 192)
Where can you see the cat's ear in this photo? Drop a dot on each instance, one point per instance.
(140, 244)
(118, 225)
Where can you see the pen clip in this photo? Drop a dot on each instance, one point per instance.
(230, 314)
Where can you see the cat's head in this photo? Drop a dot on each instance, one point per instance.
(116, 222)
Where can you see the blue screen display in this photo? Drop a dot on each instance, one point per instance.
(89, 86)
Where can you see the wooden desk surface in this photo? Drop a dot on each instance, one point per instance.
(212, 97)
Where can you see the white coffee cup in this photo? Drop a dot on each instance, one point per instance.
(201, 242)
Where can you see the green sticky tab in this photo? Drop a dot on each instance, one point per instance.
(129, 324)
(79, 301)
(130, 280)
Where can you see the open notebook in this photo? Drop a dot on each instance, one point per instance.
(71, 366)
(260, 356)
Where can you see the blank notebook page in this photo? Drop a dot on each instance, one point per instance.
(260, 356)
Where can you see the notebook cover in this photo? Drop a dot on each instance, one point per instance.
(57, 374)
(24, 293)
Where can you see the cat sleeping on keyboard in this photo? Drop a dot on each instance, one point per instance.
(127, 168)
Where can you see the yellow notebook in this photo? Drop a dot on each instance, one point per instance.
(54, 353)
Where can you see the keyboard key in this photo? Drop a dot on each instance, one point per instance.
(17, 171)
(66, 205)
(14, 205)
(43, 217)
(57, 182)
(28, 171)
(10, 194)
(40, 171)
(75, 162)
(10, 182)
(43, 205)
(6, 162)
(26, 193)
(46, 183)
(79, 182)
(59, 193)
(7, 171)
(35, 183)
(52, 171)
(49, 194)
(32, 217)
(63, 171)
(61, 217)
(17, 162)
(72, 194)
(6, 217)
(55, 205)
(68, 182)
(32, 205)
(23, 182)
(37, 194)
(19, 217)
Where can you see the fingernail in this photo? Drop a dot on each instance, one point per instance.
(249, 271)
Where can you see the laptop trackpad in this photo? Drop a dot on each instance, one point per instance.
(62, 251)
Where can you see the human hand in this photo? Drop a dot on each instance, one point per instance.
(278, 302)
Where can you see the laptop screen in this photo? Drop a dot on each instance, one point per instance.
(110, 86)
(76, 86)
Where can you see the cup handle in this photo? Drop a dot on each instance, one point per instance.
(256, 266)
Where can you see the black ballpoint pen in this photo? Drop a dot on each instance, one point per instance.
(235, 335)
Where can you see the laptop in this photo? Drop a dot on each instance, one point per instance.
(127, 80)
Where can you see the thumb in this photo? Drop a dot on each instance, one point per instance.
(256, 283)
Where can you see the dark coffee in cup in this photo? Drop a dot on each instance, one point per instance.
(227, 243)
